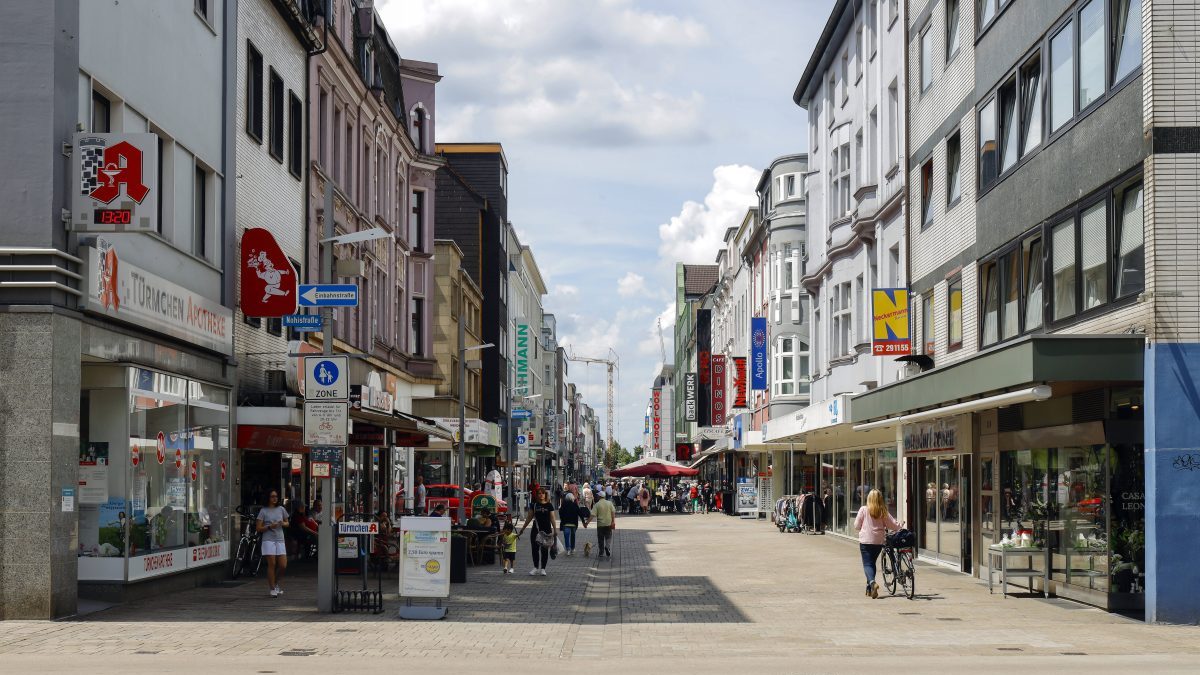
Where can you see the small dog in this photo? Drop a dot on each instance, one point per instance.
(587, 549)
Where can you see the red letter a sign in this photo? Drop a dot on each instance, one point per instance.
(267, 277)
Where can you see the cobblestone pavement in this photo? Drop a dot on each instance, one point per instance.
(696, 593)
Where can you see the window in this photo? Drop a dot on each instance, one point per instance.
(1091, 53)
(254, 93)
(252, 321)
(951, 29)
(858, 158)
(1130, 254)
(1011, 279)
(275, 112)
(927, 333)
(954, 332)
(861, 56)
(789, 267)
(1093, 243)
(275, 326)
(845, 173)
(832, 95)
(204, 10)
(990, 283)
(927, 194)
(987, 12)
(953, 168)
(336, 169)
(101, 114)
(1008, 125)
(1031, 256)
(1031, 104)
(815, 125)
(418, 128)
(295, 135)
(200, 213)
(871, 27)
(418, 327)
(845, 77)
(1127, 37)
(893, 12)
(323, 129)
(1062, 78)
(987, 144)
(893, 124)
(416, 225)
(926, 57)
(841, 310)
(1062, 250)
(872, 147)
(785, 366)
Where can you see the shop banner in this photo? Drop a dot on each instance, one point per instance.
(758, 353)
(425, 557)
(524, 337)
(93, 473)
(689, 396)
(718, 390)
(656, 419)
(739, 382)
(117, 182)
(890, 321)
(703, 356)
(268, 280)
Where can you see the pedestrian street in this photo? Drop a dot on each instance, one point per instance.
(696, 593)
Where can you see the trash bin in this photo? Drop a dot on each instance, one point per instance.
(458, 560)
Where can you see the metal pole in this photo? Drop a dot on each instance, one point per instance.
(325, 538)
(462, 419)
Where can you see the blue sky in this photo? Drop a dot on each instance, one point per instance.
(635, 132)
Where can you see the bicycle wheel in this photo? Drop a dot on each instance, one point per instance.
(239, 558)
(907, 573)
(255, 559)
(889, 571)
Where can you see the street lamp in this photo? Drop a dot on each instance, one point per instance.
(462, 416)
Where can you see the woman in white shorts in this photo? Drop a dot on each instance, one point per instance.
(272, 523)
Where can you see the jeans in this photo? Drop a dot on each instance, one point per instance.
(604, 539)
(870, 553)
(569, 536)
(540, 553)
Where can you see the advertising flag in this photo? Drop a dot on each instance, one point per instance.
(689, 396)
(739, 382)
(758, 353)
(703, 363)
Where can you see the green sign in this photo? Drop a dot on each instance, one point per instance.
(483, 501)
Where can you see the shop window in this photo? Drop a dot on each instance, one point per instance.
(1127, 37)
(1130, 258)
(955, 317)
(1062, 255)
(1091, 53)
(1062, 77)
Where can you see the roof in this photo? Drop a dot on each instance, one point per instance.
(699, 279)
(819, 53)
(472, 149)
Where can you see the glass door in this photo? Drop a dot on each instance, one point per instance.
(927, 534)
(949, 528)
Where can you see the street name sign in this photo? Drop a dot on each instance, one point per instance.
(326, 378)
(328, 295)
(303, 322)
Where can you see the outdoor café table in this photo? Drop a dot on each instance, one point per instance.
(1027, 572)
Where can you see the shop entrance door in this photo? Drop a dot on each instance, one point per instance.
(943, 526)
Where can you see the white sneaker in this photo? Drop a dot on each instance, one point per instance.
(543, 572)
(533, 572)
(278, 591)
(274, 593)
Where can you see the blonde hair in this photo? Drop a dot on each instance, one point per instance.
(875, 505)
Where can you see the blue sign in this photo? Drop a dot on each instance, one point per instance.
(303, 322)
(522, 414)
(758, 353)
(328, 295)
(326, 373)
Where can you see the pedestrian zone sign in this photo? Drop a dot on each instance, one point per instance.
(326, 378)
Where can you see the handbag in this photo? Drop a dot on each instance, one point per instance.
(544, 539)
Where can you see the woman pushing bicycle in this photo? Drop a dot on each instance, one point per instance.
(872, 523)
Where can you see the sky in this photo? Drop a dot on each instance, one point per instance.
(635, 130)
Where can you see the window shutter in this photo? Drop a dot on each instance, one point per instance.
(1064, 247)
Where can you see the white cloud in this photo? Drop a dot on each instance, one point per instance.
(697, 233)
(631, 284)
(565, 292)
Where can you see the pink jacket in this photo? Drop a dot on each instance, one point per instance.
(871, 530)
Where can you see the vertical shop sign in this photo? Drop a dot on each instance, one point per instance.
(718, 390)
(890, 322)
(739, 382)
(523, 358)
(689, 397)
(656, 419)
(703, 354)
(758, 353)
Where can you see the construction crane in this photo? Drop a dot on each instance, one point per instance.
(662, 345)
(613, 364)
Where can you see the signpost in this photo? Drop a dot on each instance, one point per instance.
(326, 423)
(328, 295)
(424, 565)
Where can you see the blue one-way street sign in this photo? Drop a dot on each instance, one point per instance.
(328, 295)
(303, 322)
(521, 414)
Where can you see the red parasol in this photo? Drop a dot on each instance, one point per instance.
(653, 468)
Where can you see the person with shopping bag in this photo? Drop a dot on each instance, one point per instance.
(541, 514)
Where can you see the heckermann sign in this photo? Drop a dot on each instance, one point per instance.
(523, 337)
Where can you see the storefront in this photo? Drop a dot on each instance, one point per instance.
(938, 460)
(155, 474)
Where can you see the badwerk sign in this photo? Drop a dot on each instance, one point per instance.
(121, 290)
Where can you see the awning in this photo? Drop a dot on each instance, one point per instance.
(403, 422)
(1038, 393)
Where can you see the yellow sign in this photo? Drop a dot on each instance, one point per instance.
(890, 321)
(432, 566)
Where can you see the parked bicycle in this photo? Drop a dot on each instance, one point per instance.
(248, 557)
(899, 570)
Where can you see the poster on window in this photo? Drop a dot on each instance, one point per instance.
(890, 322)
(93, 473)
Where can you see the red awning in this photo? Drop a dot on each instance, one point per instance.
(272, 439)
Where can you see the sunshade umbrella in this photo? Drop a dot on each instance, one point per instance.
(653, 468)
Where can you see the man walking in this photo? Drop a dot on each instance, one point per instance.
(606, 519)
(421, 493)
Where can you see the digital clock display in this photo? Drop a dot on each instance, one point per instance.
(113, 216)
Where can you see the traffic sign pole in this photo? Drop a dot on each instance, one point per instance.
(325, 531)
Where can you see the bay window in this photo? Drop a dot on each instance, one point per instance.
(785, 366)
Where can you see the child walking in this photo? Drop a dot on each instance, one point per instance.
(509, 537)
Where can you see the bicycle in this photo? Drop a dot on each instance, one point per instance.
(248, 557)
(898, 566)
